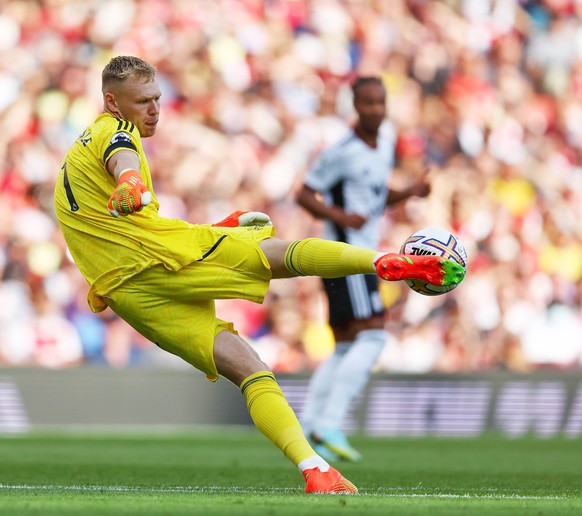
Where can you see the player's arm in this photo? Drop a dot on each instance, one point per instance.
(310, 199)
(131, 194)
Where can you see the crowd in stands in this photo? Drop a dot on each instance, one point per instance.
(487, 93)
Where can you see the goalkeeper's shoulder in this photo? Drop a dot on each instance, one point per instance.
(108, 123)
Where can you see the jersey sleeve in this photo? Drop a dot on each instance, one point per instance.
(118, 135)
(325, 172)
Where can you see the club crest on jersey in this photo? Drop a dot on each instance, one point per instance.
(85, 138)
(120, 137)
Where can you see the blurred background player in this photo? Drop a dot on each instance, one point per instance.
(347, 186)
(162, 275)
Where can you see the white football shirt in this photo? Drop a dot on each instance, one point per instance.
(355, 176)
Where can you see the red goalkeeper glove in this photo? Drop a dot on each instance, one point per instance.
(131, 194)
(245, 218)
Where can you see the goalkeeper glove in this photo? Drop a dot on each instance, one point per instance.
(245, 218)
(131, 194)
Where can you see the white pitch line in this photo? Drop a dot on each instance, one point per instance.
(274, 490)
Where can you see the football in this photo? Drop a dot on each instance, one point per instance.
(436, 242)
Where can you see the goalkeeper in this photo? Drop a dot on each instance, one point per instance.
(162, 275)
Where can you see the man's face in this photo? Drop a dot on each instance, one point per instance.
(370, 104)
(137, 100)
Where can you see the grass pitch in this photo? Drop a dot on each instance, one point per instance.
(238, 472)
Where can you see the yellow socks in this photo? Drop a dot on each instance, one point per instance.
(274, 417)
(328, 259)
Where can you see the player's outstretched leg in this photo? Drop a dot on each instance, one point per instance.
(330, 259)
(432, 269)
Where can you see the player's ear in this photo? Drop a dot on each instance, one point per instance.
(110, 103)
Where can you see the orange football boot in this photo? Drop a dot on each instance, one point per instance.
(328, 482)
(432, 269)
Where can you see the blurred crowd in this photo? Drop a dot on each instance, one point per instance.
(486, 93)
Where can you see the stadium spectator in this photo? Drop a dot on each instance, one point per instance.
(253, 82)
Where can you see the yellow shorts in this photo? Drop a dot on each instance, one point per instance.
(175, 309)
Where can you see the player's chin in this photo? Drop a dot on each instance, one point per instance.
(374, 124)
(148, 130)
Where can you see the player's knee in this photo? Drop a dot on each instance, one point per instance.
(275, 250)
(240, 374)
(235, 358)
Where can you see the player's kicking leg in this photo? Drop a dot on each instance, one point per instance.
(330, 259)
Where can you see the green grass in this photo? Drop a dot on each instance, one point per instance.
(238, 471)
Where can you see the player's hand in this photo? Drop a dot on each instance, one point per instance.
(423, 187)
(349, 220)
(244, 218)
(130, 196)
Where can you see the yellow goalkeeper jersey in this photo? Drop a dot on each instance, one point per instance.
(110, 250)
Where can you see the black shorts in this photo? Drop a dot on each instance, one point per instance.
(353, 297)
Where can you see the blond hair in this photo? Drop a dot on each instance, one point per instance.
(122, 67)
